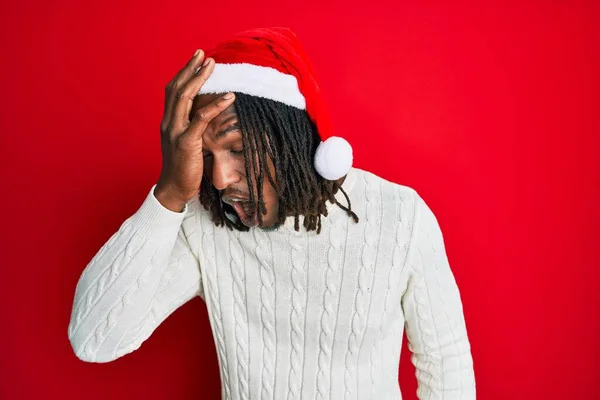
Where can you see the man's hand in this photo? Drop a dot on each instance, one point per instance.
(181, 139)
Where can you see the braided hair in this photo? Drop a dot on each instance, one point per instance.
(289, 138)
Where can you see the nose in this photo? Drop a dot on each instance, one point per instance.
(224, 174)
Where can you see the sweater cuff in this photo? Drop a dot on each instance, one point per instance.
(154, 220)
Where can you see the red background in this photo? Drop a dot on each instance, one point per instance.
(490, 112)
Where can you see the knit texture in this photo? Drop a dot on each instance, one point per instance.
(293, 314)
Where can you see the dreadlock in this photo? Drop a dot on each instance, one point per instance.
(289, 138)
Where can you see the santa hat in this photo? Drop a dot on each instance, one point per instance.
(270, 63)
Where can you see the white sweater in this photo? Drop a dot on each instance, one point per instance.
(293, 314)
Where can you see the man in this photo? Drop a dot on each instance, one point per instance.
(310, 269)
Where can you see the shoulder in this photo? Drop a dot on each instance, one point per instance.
(400, 203)
(390, 205)
(391, 192)
(404, 209)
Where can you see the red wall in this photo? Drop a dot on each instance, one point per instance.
(491, 113)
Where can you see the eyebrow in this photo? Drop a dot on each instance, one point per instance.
(228, 130)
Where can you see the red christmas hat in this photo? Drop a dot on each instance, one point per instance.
(270, 63)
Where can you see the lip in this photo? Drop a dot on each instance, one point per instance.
(237, 204)
(245, 218)
(231, 200)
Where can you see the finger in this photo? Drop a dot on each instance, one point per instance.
(197, 81)
(178, 81)
(204, 115)
(180, 78)
(185, 96)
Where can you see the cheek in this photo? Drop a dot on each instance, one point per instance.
(270, 194)
(239, 164)
(270, 191)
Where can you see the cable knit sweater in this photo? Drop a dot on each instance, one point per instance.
(293, 314)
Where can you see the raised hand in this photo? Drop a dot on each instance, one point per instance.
(181, 138)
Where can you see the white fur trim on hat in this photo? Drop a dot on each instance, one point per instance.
(333, 158)
(255, 80)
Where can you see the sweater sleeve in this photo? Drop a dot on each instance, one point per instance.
(435, 324)
(141, 275)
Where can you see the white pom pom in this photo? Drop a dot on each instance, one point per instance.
(333, 158)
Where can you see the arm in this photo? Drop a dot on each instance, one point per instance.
(435, 324)
(142, 274)
(147, 270)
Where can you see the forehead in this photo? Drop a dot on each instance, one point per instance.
(204, 100)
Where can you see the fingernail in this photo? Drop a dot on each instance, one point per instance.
(228, 96)
(205, 63)
(196, 53)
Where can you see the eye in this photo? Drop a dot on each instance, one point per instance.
(237, 152)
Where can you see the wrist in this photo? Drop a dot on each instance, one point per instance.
(169, 199)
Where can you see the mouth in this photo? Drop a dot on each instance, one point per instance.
(239, 208)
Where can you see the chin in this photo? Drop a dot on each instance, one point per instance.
(271, 228)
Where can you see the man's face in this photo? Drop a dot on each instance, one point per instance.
(225, 166)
